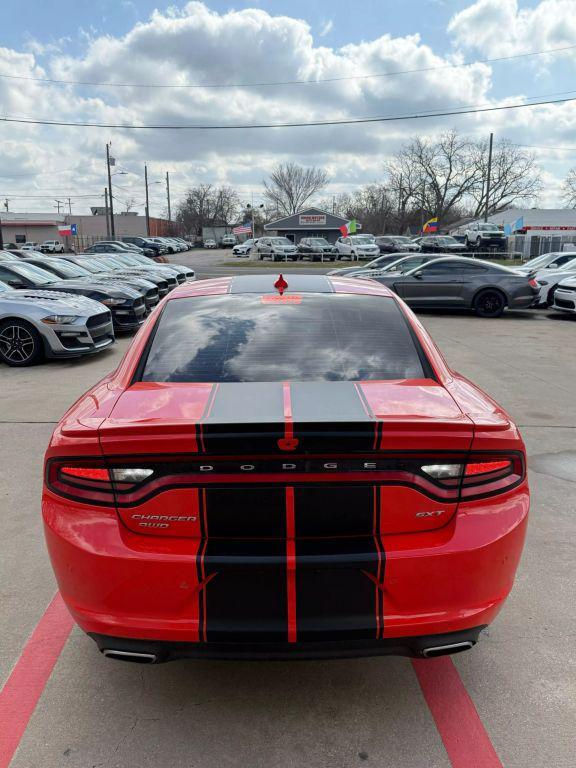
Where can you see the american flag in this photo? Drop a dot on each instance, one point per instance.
(243, 229)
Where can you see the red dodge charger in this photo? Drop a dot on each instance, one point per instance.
(284, 468)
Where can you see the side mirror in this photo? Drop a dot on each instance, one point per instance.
(15, 283)
(553, 266)
(418, 275)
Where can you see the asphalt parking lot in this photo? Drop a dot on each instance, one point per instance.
(520, 679)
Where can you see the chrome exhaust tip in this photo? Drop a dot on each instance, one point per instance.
(133, 656)
(446, 650)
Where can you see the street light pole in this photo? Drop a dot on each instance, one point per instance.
(111, 204)
(1, 238)
(147, 204)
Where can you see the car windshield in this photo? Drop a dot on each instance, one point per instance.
(540, 261)
(445, 240)
(488, 228)
(114, 262)
(65, 269)
(37, 275)
(318, 241)
(95, 265)
(5, 287)
(280, 241)
(403, 265)
(363, 239)
(243, 338)
(401, 239)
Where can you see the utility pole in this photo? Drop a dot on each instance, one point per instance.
(488, 178)
(70, 206)
(147, 205)
(422, 204)
(106, 213)
(1, 238)
(109, 161)
(58, 203)
(6, 203)
(168, 196)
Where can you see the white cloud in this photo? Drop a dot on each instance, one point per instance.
(501, 28)
(326, 28)
(197, 46)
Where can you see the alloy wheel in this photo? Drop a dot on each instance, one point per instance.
(17, 344)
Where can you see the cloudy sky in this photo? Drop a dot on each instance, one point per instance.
(140, 43)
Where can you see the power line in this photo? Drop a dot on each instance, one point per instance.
(319, 81)
(343, 121)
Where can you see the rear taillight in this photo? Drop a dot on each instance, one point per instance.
(480, 475)
(532, 283)
(91, 481)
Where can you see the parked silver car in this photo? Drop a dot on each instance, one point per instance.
(276, 248)
(35, 324)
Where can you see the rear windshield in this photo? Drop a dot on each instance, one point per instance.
(246, 338)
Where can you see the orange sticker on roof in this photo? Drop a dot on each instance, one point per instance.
(290, 298)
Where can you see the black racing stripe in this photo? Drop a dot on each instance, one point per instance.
(319, 401)
(335, 577)
(328, 511)
(247, 403)
(247, 597)
(381, 567)
(246, 512)
(200, 566)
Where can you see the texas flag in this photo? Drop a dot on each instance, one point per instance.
(65, 230)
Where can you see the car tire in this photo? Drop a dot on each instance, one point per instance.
(467, 242)
(489, 303)
(20, 344)
(478, 242)
(550, 296)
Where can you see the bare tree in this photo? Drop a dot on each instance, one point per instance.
(569, 189)
(514, 177)
(208, 206)
(130, 204)
(291, 186)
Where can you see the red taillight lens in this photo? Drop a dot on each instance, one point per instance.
(87, 481)
(486, 475)
(532, 283)
(482, 467)
(89, 473)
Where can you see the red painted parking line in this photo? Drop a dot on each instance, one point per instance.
(20, 694)
(458, 722)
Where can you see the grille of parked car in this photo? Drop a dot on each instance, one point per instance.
(101, 319)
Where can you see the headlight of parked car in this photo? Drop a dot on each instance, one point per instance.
(113, 302)
(59, 319)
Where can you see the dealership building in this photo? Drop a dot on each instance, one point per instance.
(311, 222)
(20, 228)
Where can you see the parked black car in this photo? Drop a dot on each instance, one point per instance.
(378, 263)
(142, 242)
(126, 304)
(396, 244)
(441, 244)
(68, 270)
(103, 266)
(461, 283)
(317, 249)
(101, 271)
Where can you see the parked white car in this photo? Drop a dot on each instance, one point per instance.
(52, 246)
(228, 241)
(483, 235)
(565, 296)
(30, 247)
(209, 243)
(355, 247)
(244, 249)
(550, 277)
(553, 260)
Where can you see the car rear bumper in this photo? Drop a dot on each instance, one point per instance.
(121, 584)
(157, 652)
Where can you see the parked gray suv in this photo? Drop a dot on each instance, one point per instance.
(276, 248)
